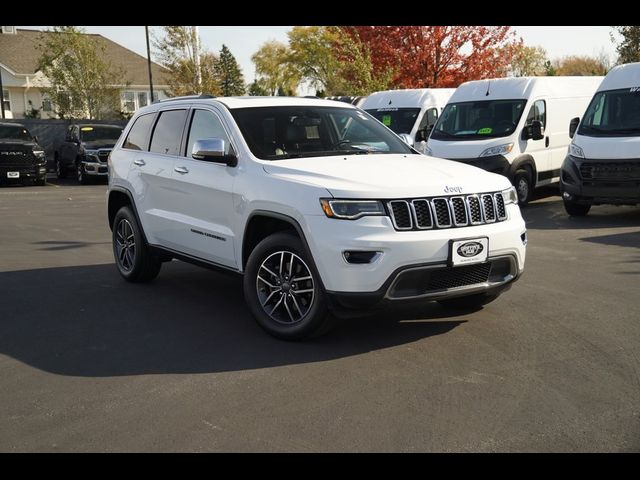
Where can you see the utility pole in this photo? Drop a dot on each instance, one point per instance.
(1, 94)
(146, 32)
(196, 54)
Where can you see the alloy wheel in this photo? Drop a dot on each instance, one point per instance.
(125, 245)
(285, 287)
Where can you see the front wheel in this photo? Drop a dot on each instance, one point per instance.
(524, 186)
(283, 289)
(576, 209)
(135, 262)
(81, 176)
(60, 170)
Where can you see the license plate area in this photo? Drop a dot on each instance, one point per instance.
(13, 174)
(467, 251)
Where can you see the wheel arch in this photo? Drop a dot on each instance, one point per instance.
(524, 161)
(120, 197)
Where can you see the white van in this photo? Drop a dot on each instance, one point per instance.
(518, 127)
(603, 162)
(409, 112)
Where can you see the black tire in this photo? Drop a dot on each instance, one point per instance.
(41, 181)
(137, 264)
(298, 309)
(576, 209)
(61, 171)
(470, 302)
(81, 176)
(523, 182)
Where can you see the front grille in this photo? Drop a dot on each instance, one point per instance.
(447, 212)
(15, 159)
(628, 170)
(103, 154)
(401, 214)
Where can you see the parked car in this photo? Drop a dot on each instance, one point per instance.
(85, 151)
(603, 161)
(22, 159)
(353, 100)
(410, 113)
(317, 204)
(484, 124)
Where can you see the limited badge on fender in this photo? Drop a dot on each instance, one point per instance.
(470, 250)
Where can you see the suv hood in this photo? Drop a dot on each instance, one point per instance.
(388, 176)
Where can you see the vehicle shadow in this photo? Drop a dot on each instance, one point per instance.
(55, 245)
(86, 321)
(72, 182)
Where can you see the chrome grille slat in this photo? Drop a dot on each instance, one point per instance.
(447, 212)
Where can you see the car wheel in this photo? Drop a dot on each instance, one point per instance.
(576, 209)
(135, 261)
(523, 183)
(470, 302)
(283, 289)
(41, 181)
(81, 176)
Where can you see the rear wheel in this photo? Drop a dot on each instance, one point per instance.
(576, 209)
(134, 259)
(522, 180)
(469, 302)
(283, 289)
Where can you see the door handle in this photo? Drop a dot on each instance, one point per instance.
(140, 162)
(181, 170)
(546, 141)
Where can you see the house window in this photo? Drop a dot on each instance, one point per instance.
(46, 104)
(7, 99)
(142, 99)
(128, 101)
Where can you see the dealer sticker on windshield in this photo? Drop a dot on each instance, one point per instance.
(468, 251)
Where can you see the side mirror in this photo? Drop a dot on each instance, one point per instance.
(537, 132)
(213, 150)
(406, 138)
(35, 138)
(573, 126)
(421, 135)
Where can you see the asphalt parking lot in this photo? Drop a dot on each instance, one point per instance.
(90, 363)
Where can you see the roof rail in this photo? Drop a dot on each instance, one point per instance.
(185, 97)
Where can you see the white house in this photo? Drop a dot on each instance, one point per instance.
(22, 81)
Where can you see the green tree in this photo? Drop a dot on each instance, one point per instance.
(176, 52)
(549, 69)
(629, 49)
(312, 53)
(82, 82)
(258, 89)
(274, 68)
(528, 61)
(356, 68)
(228, 74)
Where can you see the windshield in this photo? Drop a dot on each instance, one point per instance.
(614, 113)
(275, 133)
(478, 120)
(400, 120)
(10, 132)
(93, 134)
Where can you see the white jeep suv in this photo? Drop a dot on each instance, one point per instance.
(321, 207)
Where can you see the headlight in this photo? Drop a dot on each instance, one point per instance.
(499, 150)
(39, 153)
(428, 151)
(351, 209)
(91, 153)
(575, 151)
(510, 196)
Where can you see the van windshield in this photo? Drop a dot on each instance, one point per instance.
(278, 133)
(400, 120)
(613, 113)
(478, 120)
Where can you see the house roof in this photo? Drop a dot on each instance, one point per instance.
(20, 54)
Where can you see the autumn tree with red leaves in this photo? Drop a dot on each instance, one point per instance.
(437, 56)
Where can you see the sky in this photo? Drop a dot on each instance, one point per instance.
(243, 41)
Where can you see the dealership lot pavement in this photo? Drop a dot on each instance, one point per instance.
(90, 363)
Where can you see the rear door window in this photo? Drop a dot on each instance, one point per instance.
(138, 137)
(167, 134)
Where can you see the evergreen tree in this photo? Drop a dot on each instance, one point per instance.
(228, 74)
(629, 48)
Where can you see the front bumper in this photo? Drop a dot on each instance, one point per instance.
(25, 171)
(328, 239)
(623, 190)
(98, 169)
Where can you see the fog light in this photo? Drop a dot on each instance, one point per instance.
(360, 257)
